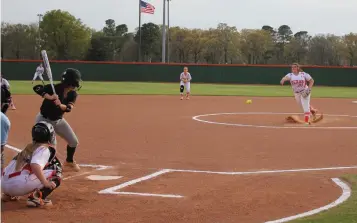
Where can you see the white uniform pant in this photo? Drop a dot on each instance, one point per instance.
(23, 184)
(37, 75)
(304, 103)
(187, 86)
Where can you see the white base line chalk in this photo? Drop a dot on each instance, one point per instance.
(113, 190)
(346, 193)
(265, 171)
(96, 167)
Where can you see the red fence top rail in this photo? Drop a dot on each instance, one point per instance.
(176, 64)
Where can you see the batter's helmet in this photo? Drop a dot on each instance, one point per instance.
(42, 132)
(71, 77)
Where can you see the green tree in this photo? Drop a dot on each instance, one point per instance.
(150, 40)
(350, 41)
(65, 37)
(19, 41)
(254, 45)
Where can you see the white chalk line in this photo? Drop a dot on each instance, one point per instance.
(96, 167)
(113, 190)
(346, 193)
(265, 171)
(197, 118)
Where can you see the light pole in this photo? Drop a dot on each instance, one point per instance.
(39, 32)
(163, 53)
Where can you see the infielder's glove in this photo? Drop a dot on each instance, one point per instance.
(184, 80)
(306, 92)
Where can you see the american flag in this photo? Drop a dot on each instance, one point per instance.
(146, 7)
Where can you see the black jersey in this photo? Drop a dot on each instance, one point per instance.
(49, 109)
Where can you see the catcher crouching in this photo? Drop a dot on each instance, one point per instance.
(302, 83)
(35, 171)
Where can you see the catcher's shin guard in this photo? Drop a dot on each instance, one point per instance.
(47, 191)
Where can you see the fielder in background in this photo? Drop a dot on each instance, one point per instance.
(185, 80)
(55, 105)
(35, 170)
(302, 91)
(39, 71)
(5, 84)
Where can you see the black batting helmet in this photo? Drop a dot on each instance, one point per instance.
(71, 77)
(42, 132)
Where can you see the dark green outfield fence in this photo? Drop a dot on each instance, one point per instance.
(150, 72)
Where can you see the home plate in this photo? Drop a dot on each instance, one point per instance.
(354, 102)
(100, 177)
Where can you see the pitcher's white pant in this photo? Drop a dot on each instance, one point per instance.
(23, 184)
(304, 103)
(37, 75)
(187, 86)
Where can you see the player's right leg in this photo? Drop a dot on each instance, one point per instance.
(182, 88)
(39, 196)
(305, 102)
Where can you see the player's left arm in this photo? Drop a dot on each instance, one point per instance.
(189, 77)
(71, 100)
(310, 80)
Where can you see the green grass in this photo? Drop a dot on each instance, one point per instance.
(138, 88)
(344, 213)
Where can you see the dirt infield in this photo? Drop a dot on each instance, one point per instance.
(147, 139)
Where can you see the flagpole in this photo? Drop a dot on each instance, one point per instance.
(168, 31)
(139, 48)
(163, 33)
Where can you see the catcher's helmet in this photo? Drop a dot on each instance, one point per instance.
(42, 132)
(71, 77)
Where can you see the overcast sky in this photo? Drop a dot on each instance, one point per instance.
(315, 16)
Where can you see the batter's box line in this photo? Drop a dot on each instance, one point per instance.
(95, 166)
(114, 190)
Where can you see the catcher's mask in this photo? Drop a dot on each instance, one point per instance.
(42, 132)
(72, 77)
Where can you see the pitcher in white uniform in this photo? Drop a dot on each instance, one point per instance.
(35, 171)
(185, 82)
(301, 83)
(39, 71)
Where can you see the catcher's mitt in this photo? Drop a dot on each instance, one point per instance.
(305, 93)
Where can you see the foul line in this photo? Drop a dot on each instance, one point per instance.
(197, 118)
(346, 193)
(96, 167)
(265, 171)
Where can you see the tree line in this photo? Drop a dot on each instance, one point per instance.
(65, 37)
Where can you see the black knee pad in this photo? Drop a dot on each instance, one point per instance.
(182, 88)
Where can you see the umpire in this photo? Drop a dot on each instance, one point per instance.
(5, 122)
(55, 105)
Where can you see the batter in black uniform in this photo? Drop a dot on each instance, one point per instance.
(55, 105)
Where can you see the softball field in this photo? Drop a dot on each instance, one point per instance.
(208, 159)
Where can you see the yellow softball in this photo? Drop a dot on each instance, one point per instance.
(248, 101)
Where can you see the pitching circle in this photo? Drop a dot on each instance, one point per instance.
(199, 119)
